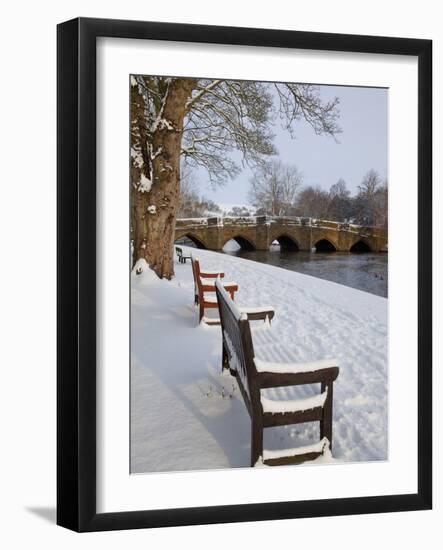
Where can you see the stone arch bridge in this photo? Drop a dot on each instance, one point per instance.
(259, 232)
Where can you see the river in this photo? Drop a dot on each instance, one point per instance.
(368, 272)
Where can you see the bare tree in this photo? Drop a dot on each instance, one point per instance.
(202, 120)
(313, 202)
(223, 116)
(239, 212)
(302, 101)
(370, 183)
(191, 203)
(381, 206)
(340, 202)
(274, 187)
(367, 199)
(339, 189)
(189, 198)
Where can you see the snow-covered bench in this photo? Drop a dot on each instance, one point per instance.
(204, 294)
(181, 257)
(254, 375)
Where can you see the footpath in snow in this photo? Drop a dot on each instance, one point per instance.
(188, 415)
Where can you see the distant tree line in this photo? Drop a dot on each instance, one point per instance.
(277, 189)
(191, 204)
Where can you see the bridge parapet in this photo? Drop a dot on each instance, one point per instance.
(326, 224)
(260, 231)
(240, 221)
(284, 220)
(379, 232)
(191, 222)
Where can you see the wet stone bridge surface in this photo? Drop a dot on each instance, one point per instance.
(259, 232)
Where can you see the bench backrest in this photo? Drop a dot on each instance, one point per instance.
(195, 267)
(198, 290)
(195, 262)
(237, 340)
(195, 272)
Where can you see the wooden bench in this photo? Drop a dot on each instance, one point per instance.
(254, 375)
(204, 289)
(181, 257)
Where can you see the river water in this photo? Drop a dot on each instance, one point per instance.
(368, 272)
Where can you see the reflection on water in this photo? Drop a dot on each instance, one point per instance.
(368, 272)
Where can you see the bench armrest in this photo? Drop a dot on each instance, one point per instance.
(258, 313)
(230, 287)
(210, 287)
(272, 375)
(211, 274)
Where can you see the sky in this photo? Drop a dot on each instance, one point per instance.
(361, 146)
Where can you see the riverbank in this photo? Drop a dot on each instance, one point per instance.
(186, 414)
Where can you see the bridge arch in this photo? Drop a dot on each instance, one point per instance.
(325, 245)
(287, 243)
(198, 243)
(244, 242)
(360, 246)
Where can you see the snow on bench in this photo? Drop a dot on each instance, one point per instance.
(279, 406)
(254, 375)
(265, 366)
(315, 449)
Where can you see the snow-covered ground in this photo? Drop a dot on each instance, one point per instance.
(227, 207)
(186, 414)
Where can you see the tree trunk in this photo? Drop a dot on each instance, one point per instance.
(159, 206)
(139, 205)
(139, 200)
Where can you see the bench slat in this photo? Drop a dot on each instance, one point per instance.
(291, 460)
(298, 417)
(295, 455)
(274, 380)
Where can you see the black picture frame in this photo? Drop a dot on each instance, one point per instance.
(76, 281)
